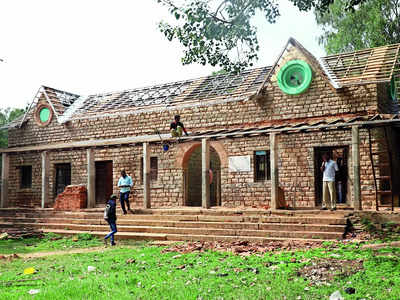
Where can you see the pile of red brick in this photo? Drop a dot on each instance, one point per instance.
(74, 197)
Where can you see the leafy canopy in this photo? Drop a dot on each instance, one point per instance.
(219, 32)
(373, 24)
(6, 116)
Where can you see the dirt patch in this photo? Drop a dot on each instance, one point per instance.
(243, 248)
(324, 270)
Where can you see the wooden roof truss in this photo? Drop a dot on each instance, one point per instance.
(374, 65)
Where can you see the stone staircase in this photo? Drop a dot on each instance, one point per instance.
(186, 224)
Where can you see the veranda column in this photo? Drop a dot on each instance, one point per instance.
(355, 157)
(91, 178)
(45, 178)
(5, 166)
(205, 169)
(273, 144)
(146, 176)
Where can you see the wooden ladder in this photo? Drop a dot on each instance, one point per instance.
(383, 182)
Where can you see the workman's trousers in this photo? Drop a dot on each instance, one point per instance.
(113, 227)
(328, 194)
(177, 132)
(124, 197)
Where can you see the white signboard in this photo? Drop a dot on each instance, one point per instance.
(239, 163)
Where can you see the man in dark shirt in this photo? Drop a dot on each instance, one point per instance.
(111, 219)
(177, 127)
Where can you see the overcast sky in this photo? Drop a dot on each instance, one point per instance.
(93, 46)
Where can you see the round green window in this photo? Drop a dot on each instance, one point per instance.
(44, 114)
(295, 77)
(393, 89)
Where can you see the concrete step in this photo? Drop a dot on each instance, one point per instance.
(184, 224)
(179, 237)
(194, 231)
(192, 218)
(124, 235)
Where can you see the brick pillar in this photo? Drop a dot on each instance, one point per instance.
(146, 176)
(273, 144)
(91, 179)
(5, 167)
(355, 157)
(45, 178)
(205, 171)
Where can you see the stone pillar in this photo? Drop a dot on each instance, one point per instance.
(146, 176)
(205, 170)
(45, 179)
(5, 167)
(91, 179)
(355, 157)
(273, 144)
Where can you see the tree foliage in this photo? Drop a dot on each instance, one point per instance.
(6, 116)
(372, 24)
(220, 33)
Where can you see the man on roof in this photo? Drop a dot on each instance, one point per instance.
(177, 127)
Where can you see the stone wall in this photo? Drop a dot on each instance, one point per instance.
(296, 170)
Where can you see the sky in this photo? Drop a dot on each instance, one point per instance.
(94, 46)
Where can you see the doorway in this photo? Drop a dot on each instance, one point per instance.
(193, 178)
(104, 181)
(63, 177)
(340, 154)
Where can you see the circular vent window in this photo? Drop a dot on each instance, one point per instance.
(295, 77)
(44, 114)
(393, 89)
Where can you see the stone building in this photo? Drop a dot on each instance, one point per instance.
(262, 133)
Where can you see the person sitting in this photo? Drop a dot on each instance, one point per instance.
(177, 127)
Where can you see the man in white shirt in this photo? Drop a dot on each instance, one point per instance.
(124, 183)
(329, 168)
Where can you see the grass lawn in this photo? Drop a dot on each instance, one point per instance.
(50, 242)
(145, 272)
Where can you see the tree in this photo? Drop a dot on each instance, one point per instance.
(372, 24)
(6, 116)
(219, 32)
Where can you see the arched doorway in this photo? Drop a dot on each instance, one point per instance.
(193, 178)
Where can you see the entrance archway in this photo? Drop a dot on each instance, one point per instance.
(192, 178)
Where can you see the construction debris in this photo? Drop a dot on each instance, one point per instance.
(243, 248)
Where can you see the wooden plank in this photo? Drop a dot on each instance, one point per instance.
(146, 176)
(205, 171)
(5, 169)
(273, 142)
(355, 152)
(91, 179)
(45, 179)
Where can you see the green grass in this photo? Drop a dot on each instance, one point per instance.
(146, 273)
(50, 242)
